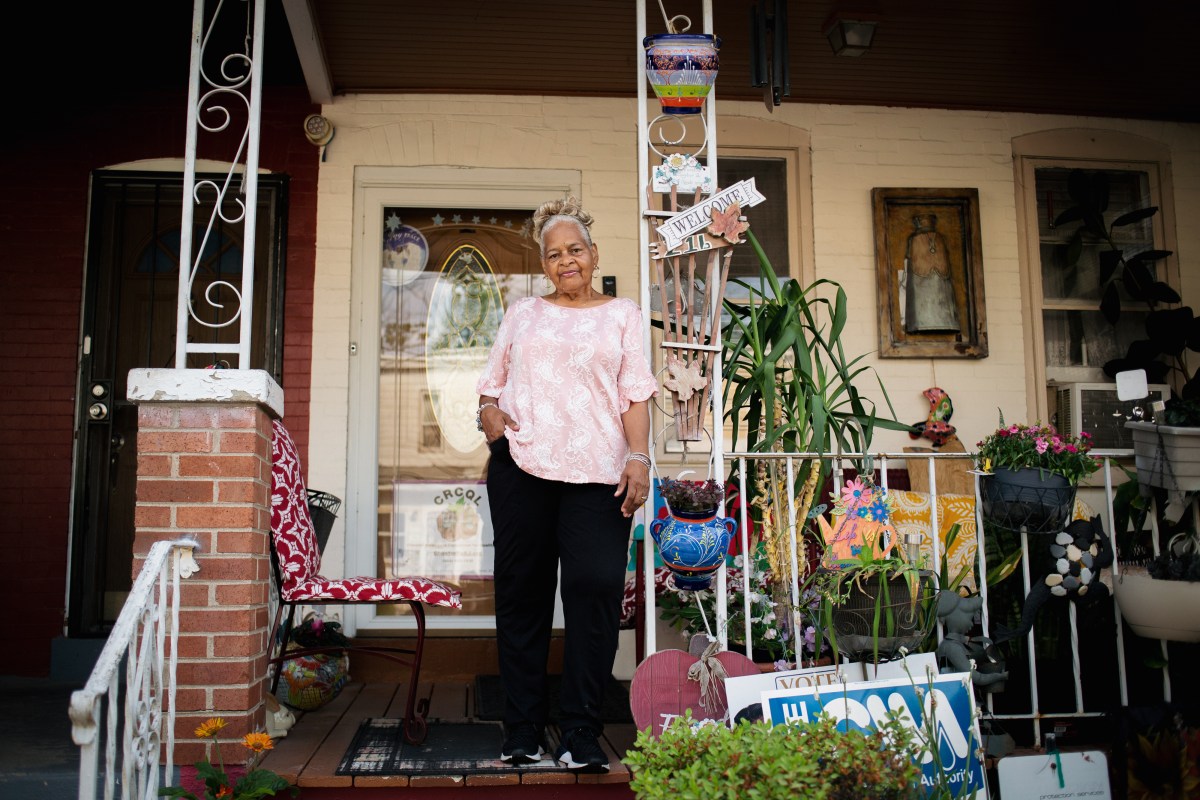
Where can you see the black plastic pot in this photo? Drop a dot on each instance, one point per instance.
(1036, 500)
(902, 624)
(323, 508)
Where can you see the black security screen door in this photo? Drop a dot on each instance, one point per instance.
(129, 319)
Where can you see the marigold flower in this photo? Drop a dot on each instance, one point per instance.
(225, 791)
(210, 727)
(258, 741)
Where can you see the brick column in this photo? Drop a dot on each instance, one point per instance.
(204, 471)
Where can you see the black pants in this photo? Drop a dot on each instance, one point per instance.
(539, 523)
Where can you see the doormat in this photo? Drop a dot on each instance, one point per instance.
(450, 748)
(489, 699)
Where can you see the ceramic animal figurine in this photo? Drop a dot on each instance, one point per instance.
(936, 427)
(959, 648)
(1080, 552)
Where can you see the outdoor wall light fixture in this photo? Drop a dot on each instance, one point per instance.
(319, 131)
(849, 34)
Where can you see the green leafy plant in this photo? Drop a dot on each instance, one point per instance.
(218, 784)
(817, 761)
(1039, 447)
(691, 496)
(1170, 328)
(790, 387)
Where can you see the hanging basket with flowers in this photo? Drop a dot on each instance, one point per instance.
(1030, 476)
(693, 540)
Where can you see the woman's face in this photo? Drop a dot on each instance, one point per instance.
(569, 260)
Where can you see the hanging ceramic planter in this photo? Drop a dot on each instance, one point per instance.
(1167, 456)
(693, 545)
(1159, 609)
(682, 68)
(1034, 499)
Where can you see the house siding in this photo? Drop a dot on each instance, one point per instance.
(47, 164)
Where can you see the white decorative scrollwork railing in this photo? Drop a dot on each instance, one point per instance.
(144, 720)
(236, 83)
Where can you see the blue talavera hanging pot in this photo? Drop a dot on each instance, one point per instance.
(693, 545)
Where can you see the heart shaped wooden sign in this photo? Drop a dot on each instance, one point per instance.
(661, 690)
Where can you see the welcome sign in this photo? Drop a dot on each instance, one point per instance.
(690, 220)
(948, 699)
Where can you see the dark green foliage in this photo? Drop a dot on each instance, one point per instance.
(755, 761)
(1169, 331)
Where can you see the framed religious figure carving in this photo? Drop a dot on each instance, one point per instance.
(929, 268)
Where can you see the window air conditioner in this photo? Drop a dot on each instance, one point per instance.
(1094, 407)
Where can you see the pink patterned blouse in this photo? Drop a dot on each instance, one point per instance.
(566, 375)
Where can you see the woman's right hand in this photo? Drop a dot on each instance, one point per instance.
(494, 423)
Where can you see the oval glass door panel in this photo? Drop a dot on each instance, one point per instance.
(464, 314)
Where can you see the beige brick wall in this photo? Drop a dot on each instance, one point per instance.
(854, 149)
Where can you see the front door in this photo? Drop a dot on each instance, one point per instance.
(129, 321)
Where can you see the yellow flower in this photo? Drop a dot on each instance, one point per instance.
(258, 741)
(210, 727)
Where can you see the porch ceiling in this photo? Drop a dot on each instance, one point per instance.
(1098, 57)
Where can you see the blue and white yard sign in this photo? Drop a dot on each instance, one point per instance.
(863, 706)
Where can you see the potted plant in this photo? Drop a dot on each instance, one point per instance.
(1032, 472)
(1168, 449)
(208, 781)
(790, 387)
(1158, 592)
(693, 540)
(874, 595)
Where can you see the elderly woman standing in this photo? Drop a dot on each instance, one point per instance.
(563, 406)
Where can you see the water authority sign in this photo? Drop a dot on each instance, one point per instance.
(865, 706)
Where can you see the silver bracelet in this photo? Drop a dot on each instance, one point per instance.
(641, 458)
(479, 415)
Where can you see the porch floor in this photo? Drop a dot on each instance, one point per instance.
(309, 755)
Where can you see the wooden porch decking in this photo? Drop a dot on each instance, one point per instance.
(309, 755)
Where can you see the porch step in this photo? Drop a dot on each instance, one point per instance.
(38, 760)
(309, 756)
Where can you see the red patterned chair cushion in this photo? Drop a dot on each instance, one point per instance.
(300, 559)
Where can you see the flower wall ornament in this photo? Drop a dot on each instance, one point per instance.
(728, 223)
(684, 173)
(685, 379)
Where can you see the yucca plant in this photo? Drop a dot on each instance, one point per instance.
(790, 388)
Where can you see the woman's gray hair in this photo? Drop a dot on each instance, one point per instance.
(553, 212)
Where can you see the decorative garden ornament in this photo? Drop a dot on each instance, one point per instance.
(863, 523)
(693, 545)
(682, 68)
(1079, 553)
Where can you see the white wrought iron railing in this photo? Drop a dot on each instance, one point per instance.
(742, 462)
(223, 91)
(144, 642)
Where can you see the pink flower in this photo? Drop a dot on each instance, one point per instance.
(1041, 446)
(856, 493)
(1072, 448)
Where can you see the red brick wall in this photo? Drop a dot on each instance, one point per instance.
(204, 471)
(45, 166)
